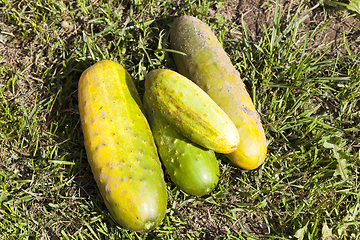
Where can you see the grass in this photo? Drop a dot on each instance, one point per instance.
(306, 93)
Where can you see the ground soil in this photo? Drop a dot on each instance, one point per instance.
(259, 13)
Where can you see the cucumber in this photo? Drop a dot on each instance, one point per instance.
(191, 167)
(206, 63)
(191, 111)
(120, 147)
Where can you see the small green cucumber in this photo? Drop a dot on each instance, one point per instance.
(206, 63)
(192, 168)
(120, 147)
(191, 111)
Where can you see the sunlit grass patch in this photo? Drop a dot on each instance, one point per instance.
(306, 94)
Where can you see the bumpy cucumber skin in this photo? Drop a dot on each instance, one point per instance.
(207, 64)
(191, 111)
(191, 167)
(120, 147)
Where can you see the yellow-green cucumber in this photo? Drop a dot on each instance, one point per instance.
(192, 168)
(120, 147)
(206, 63)
(191, 111)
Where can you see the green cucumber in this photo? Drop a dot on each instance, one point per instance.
(206, 63)
(191, 111)
(120, 147)
(191, 167)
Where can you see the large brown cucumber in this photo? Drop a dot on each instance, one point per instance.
(191, 111)
(191, 167)
(120, 147)
(206, 63)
